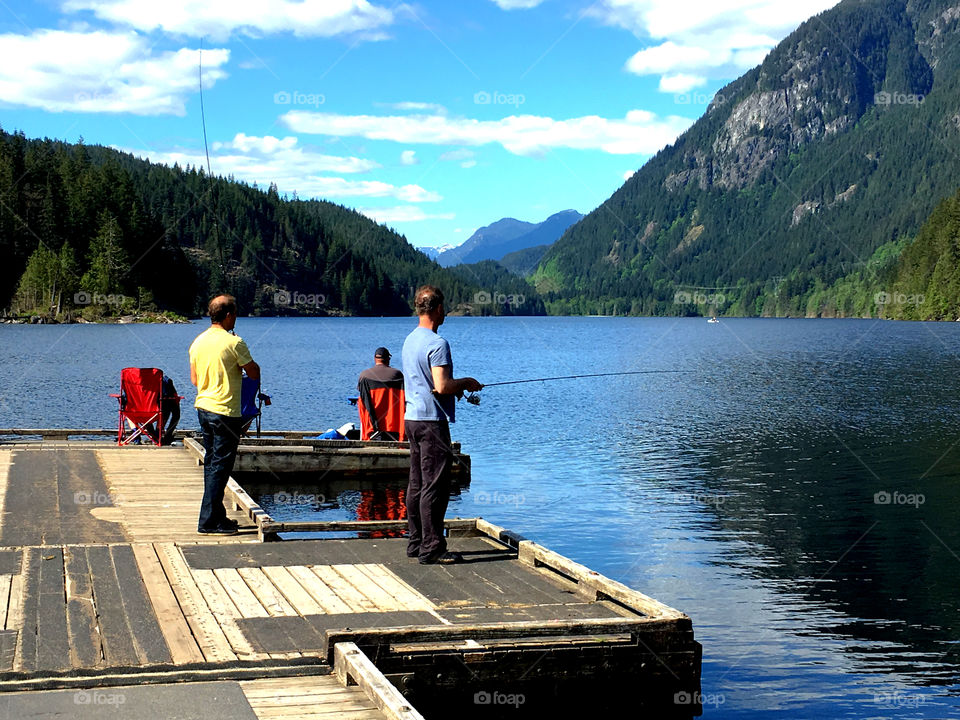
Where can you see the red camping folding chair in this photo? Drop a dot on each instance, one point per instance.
(381, 407)
(140, 396)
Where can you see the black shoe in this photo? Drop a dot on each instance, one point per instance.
(446, 558)
(222, 530)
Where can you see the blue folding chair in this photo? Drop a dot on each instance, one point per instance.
(251, 404)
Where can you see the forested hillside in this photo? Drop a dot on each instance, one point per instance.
(926, 280)
(795, 192)
(87, 229)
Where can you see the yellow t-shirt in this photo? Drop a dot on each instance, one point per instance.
(217, 355)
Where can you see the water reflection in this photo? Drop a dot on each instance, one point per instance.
(302, 497)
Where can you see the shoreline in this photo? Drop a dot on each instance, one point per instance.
(145, 319)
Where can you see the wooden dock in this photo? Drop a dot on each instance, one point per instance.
(279, 456)
(286, 452)
(106, 588)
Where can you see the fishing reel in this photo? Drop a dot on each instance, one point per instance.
(473, 398)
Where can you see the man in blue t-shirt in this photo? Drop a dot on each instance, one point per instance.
(430, 408)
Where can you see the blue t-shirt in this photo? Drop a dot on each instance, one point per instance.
(422, 350)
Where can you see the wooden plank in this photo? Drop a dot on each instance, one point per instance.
(325, 583)
(351, 664)
(147, 635)
(680, 628)
(302, 601)
(183, 646)
(372, 596)
(15, 612)
(243, 597)
(8, 649)
(249, 594)
(593, 583)
(347, 525)
(210, 637)
(405, 596)
(268, 595)
(117, 639)
(14, 615)
(226, 613)
(31, 602)
(324, 713)
(53, 649)
(5, 582)
(85, 647)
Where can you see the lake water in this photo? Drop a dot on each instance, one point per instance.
(796, 492)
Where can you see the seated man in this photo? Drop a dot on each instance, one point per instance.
(169, 409)
(381, 403)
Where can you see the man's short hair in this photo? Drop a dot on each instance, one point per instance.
(220, 307)
(428, 299)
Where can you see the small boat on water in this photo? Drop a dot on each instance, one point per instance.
(713, 320)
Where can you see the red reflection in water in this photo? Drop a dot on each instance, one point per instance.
(384, 503)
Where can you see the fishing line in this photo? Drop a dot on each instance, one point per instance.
(474, 399)
(577, 377)
(206, 150)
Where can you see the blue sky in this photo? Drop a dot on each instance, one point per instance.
(434, 118)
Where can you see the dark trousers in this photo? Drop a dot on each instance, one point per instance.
(428, 491)
(221, 436)
(171, 417)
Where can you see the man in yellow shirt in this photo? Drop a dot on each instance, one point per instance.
(217, 357)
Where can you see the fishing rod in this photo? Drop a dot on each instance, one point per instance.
(474, 399)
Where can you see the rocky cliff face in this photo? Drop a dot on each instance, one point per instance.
(811, 89)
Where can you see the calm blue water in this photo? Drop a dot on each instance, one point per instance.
(796, 493)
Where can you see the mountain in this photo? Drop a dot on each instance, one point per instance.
(524, 262)
(508, 235)
(93, 232)
(500, 288)
(800, 174)
(434, 252)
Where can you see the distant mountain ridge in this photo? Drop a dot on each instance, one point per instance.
(434, 252)
(508, 235)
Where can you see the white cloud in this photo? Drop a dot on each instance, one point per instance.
(628, 174)
(402, 213)
(463, 156)
(457, 155)
(113, 72)
(669, 57)
(641, 132)
(693, 37)
(681, 83)
(221, 18)
(409, 157)
(417, 107)
(517, 4)
(265, 160)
